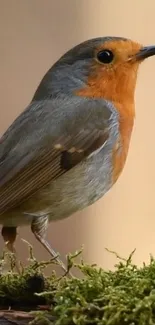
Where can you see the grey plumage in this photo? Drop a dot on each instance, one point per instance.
(23, 161)
(54, 116)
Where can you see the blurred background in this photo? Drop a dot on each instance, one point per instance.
(34, 34)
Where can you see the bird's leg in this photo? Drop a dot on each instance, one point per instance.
(9, 235)
(39, 227)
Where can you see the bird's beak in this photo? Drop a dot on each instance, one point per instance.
(144, 53)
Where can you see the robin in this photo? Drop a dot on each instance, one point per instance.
(69, 146)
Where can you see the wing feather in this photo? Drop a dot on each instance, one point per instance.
(27, 166)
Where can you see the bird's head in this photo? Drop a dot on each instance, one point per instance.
(104, 67)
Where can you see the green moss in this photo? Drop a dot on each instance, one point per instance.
(123, 296)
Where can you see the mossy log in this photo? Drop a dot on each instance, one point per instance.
(125, 296)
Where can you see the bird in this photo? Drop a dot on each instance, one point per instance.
(69, 146)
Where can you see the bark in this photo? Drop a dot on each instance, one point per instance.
(15, 317)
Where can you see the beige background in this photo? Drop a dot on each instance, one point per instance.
(33, 34)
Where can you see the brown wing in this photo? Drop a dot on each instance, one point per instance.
(45, 142)
(47, 165)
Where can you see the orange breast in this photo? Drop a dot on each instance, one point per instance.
(122, 146)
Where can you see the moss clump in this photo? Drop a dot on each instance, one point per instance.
(123, 296)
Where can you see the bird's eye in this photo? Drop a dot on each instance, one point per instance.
(105, 56)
